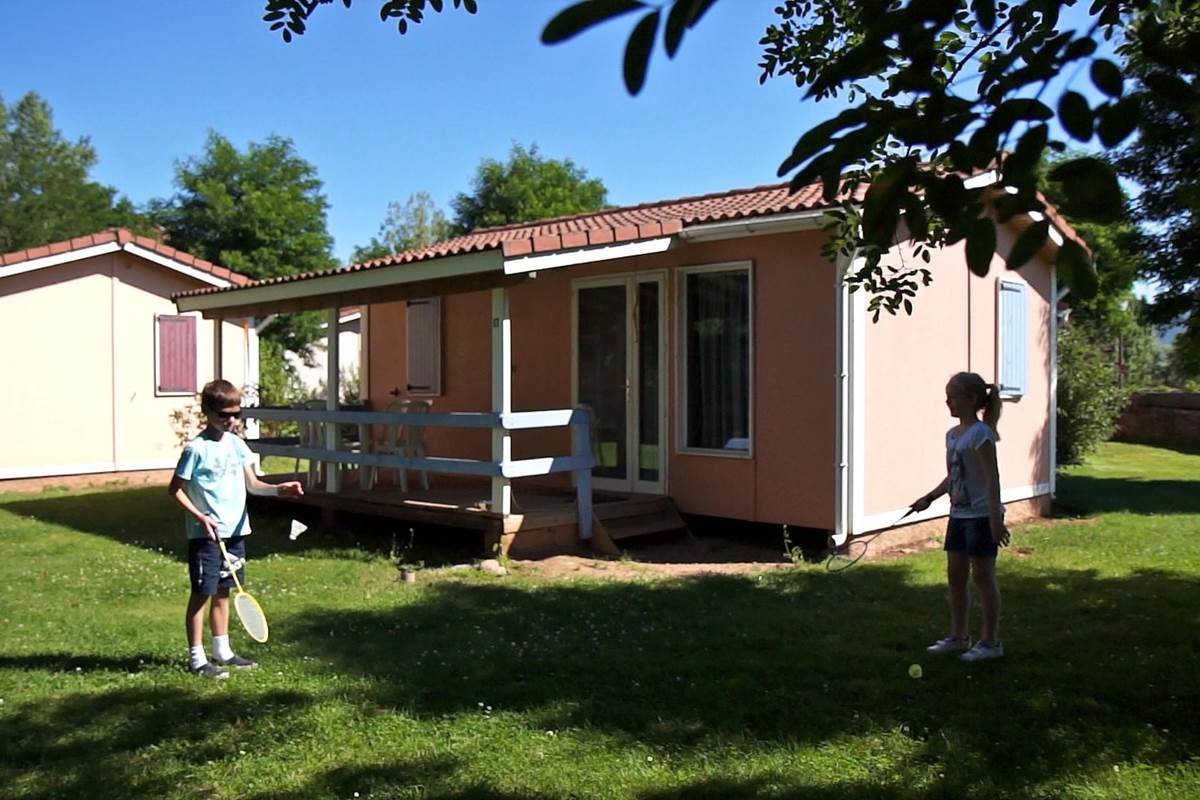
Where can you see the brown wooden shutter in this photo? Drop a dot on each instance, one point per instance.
(176, 354)
(424, 338)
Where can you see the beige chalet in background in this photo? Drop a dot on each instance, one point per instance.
(95, 358)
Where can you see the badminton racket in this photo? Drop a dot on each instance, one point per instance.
(248, 610)
(849, 554)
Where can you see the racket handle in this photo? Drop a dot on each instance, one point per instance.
(228, 563)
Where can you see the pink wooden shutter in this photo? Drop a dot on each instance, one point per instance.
(176, 353)
(424, 337)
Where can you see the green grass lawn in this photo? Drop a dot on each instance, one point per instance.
(792, 684)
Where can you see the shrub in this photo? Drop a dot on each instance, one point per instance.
(1090, 397)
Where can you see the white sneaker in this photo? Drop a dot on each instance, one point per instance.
(983, 651)
(949, 645)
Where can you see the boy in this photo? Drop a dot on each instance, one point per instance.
(210, 482)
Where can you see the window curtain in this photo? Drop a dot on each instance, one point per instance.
(718, 368)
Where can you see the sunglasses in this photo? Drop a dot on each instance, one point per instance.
(230, 414)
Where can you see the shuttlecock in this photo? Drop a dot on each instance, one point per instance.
(914, 671)
(298, 528)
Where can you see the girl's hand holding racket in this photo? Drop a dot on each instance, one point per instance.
(1000, 534)
(921, 503)
(290, 489)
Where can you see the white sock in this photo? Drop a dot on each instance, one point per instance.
(221, 649)
(196, 657)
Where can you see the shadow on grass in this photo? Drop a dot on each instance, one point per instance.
(69, 662)
(147, 517)
(1081, 494)
(114, 744)
(802, 657)
(1096, 668)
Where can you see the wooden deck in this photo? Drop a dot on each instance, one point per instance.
(545, 520)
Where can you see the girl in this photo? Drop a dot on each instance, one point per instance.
(976, 528)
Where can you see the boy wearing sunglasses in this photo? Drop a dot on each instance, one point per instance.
(211, 481)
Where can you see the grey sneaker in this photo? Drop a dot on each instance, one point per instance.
(237, 662)
(949, 645)
(983, 651)
(209, 670)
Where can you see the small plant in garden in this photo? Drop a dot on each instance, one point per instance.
(398, 554)
(188, 421)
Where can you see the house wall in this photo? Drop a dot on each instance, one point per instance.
(908, 361)
(81, 381)
(789, 477)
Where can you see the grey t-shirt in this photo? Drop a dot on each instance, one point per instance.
(968, 483)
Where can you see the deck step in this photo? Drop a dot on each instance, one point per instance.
(640, 517)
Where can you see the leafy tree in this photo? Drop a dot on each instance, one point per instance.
(416, 223)
(261, 213)
(45, 193)
(942, 88)
(526, 187)
(1165, 161)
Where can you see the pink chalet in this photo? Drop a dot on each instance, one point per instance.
(698, 354)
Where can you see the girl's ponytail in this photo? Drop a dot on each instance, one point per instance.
(991, 409)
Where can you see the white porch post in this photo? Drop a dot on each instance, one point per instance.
(217, 345)
(501, 396)
(333, 474)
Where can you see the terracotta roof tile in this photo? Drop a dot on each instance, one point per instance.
(648, 220)
(122, 237)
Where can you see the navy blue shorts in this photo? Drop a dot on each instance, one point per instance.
(207, 571)
(972, 536)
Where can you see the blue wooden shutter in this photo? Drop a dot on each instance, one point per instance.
(424, 340)
(1013, 337)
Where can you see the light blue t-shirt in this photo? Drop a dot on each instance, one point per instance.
(216, 483)
(968, 483)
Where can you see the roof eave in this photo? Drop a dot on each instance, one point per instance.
(342, 288)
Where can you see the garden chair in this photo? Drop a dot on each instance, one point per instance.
(405, 440)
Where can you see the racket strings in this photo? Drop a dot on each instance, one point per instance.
(252, 616)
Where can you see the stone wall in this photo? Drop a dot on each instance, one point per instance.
(1169, 418)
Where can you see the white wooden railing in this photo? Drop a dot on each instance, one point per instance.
(580, 462)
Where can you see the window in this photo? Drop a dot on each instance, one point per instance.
(715, 318)
(424, 338)
(175, 354)
(1012, 339)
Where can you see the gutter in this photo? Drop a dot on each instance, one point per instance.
(757, 226)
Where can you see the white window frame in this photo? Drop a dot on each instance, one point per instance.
(681, 338)
(436, 391)
(1010, 394)
(158, 360)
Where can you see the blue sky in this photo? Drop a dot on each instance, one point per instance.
(382, 115)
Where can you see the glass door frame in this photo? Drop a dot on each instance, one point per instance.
(631, 281)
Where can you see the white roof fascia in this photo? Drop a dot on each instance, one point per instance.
(585, 255)
(170, 263)
(755, 226)
(59, 258)
(348, 281)
(982, 179)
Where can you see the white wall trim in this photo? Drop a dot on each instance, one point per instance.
(112, 247)
(941, 508)
(170, 263)
(858, 405)
(586, 255)
(59, 258)
(1052, 445)
(62, 470)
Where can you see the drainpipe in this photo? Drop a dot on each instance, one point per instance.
(843, 522)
